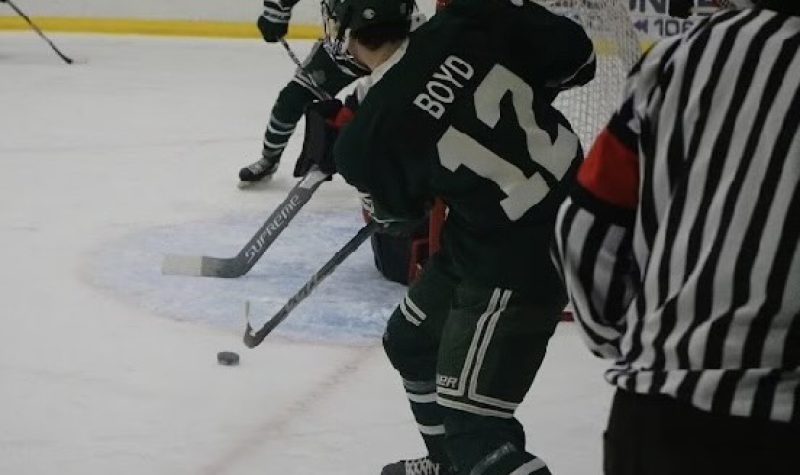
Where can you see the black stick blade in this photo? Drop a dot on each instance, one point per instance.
(253, 339)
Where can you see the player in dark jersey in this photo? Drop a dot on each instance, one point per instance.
(321, 73)
(462, 109)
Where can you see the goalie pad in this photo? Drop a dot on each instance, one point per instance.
(323, 121)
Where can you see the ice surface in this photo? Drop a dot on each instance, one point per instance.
(349, 307)
(107, 367)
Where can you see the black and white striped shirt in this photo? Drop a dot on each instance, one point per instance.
(679, 245)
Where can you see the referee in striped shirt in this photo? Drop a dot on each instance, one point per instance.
(680, 250)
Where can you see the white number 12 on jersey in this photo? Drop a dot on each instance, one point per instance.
(522, 193)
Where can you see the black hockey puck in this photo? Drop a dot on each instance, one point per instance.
(228, 358)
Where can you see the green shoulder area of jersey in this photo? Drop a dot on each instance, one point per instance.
(389, 147)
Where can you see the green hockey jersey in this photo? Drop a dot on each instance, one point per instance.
(464, 113)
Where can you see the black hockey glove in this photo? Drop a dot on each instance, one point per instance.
(323, 121)
(274, 22)
(389, 224)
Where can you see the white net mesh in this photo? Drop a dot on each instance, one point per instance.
(617, 46)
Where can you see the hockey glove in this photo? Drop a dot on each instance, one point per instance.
(391, 225)
(274, 22)
(323, 121)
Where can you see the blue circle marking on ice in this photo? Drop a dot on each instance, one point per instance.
(350, 306)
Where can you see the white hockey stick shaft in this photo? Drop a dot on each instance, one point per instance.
(240, 264)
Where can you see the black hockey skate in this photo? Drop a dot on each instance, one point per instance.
(257, 171)
(420, 466)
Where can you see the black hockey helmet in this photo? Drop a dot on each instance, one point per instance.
(344, 17)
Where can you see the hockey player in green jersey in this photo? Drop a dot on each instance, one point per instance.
(461, 109)
(322, 73)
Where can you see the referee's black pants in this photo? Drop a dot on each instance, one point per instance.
(657, 435)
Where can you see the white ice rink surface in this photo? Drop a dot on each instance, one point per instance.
(107, 367)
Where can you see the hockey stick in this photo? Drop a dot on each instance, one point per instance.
(38, 31)
(291, 54)
(253, 339)
(318, 91)
(240, 264)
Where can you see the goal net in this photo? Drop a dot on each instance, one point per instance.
(617, 47)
